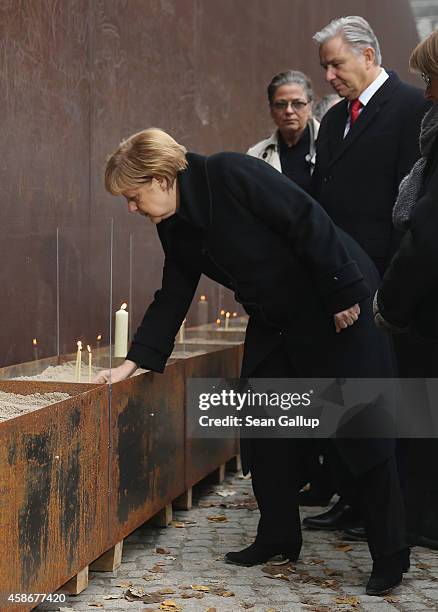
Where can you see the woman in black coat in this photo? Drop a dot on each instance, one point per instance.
(244, 225)
(408, 302)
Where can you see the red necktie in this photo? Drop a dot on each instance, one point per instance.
(355, 107)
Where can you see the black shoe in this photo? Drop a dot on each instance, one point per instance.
(387, 573)
(356, 533)
(255, 554)
(341, 516)
(309, 498)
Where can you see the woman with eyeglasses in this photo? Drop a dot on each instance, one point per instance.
(407, 302)
(291, 148)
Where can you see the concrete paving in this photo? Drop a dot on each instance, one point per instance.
(181, 568)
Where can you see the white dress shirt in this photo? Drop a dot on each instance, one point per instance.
(367, 94)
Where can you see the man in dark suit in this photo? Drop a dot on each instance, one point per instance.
(366, 144)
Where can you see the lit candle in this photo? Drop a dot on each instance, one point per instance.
(181, 333)
(121, 332)
(222, 314)
(89, 362)
(227, 320)
(202, 310)
(78, 361)
(218, 322)
(35, 349)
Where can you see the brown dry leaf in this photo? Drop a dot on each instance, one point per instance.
(331, 572)
(199, 587)
(149, 578)
(228, 594)
(272, 570)
(170, 606)
(247, 606)
(210, 610)
(178, 524)
(195, 595)
(424, 566)
(111, 597)
(217, 518)
(95, 604)
(271, 610)
(166, 591)
(156, 569)
(391, 598)
(349, 601)
(315, 561)
(344, 547)
(278, 576)
(162, 551)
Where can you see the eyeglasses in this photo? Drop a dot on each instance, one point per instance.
(426, 78)
(282, 105)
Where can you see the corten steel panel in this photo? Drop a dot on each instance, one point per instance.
(147, 447)
(203, 456)
(76, 77)
(53, 488)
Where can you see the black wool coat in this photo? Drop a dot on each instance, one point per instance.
(248, 227)
(408, 296)
(356, 179)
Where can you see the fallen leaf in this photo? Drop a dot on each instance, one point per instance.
(162, 551)
(177, 524)
(279, 576)
(156, 569)
(226, 493)
(112, 597)
(166, 591)
(149, 578)
(332, 572)
(349, 601)
(247, 606)
(210, 610)
(314, 561)
(228, 594)
(391, 598)
(271, 610)
(424, 566)
(344, 547)
(221, 591)
(199, 587)
(218, 518)
(94, 604)
(192, 596)
(170, 605)
(170, 558)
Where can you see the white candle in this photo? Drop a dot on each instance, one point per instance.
(35, 349)
(202, 310)
(218, 322)
(78, 361)
(98, 339)
(89, 362)
(181, 334)
(227, 320)
(121, 332)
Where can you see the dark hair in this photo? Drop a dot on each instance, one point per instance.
(290, 77)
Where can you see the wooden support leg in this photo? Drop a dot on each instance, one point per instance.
(184, 501)
(76, 584)
(235, 464)
(163, 517)
(110, 560)
(218, 475)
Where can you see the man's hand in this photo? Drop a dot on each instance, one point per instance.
(346, 318)
(115, 374)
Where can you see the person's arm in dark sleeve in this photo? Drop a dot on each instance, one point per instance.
(413, 271)
(154, 340)
(313, 239)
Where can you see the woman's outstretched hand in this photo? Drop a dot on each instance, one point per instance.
(115, 374)
(346, 318)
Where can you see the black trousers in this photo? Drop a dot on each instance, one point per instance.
(277, 479)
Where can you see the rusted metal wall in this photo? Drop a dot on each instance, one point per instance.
(75, 78)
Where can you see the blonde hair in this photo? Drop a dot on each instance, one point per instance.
(142, 156)
(424, 57)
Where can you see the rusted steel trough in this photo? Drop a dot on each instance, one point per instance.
(78, 476)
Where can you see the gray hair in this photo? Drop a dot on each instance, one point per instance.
(356, 31)
(290, 77)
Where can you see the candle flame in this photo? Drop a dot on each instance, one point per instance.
(124, 306)
(234, 314)
(79, 345)
(218, 321)
(222, 312)
(88, 348)
(227, 314)
(202, 298)
(34, 341)
(99, 337)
